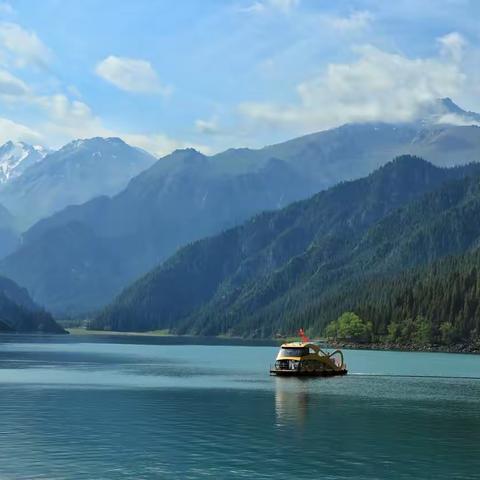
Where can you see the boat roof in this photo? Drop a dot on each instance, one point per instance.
(301, 345)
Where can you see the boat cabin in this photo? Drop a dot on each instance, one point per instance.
(307, 358)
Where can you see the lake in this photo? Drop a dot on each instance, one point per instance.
(114, 407)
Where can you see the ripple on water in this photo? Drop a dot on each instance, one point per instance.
(108, 411)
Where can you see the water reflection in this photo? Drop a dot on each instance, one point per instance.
(103, 410)
(292, 399)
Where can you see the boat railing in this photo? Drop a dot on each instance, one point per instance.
(340, 354)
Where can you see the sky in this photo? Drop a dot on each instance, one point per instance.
(215, 74)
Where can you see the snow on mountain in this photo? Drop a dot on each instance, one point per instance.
(16, 157)
(446, 112)
(79, 171)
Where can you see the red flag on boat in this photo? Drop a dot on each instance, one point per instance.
(304, 338)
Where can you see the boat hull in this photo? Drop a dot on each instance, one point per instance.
(296, 373)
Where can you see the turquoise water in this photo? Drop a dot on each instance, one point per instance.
(154, 408)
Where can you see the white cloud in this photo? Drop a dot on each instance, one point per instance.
(11, 86)
(74, 91)
(131, 75)
(68, 119)
(454, 119)
(55, 134)
(10, 130)
(61, 108)
(158, 143)
(284, 6)
(256, 7)
(452, 46)
(378, 86)
(25, 47)
(355, 21)
(207, 127)
(64, 119)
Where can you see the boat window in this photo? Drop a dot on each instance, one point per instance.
(293, 352)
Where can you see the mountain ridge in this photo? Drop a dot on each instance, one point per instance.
(217, 282)
(186, 195)
(16, 157)
(77, 172)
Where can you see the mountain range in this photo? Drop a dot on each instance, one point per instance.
(16, 157)
(78, 259)
(280, 269)
(79, 171)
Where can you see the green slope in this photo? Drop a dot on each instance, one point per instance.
(261, 278)
(443, 298)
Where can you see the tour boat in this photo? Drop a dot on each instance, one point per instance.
(307, 358)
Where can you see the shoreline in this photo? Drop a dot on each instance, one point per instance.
(153, 333)
(456, 348)
(164, 333)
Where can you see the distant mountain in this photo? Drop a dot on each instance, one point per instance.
(95, 268)
(16, 157)
(79, 171)
(186, 196)
(9, 237)
(18, 313)
(446, 111)
(82, 257)
(355, 150)
(273, 274)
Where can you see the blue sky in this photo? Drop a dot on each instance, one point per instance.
(213, 74)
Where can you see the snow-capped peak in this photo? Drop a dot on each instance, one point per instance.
(445, 111)
(92, 144)
(16, 157)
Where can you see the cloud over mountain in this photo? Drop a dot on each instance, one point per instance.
(131, 75)
(245, 73)
(377, 86)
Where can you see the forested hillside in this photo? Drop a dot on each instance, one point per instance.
(438, 303)
(278, 270)
(18, 313)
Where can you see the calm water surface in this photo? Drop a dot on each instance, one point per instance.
(153, 408)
